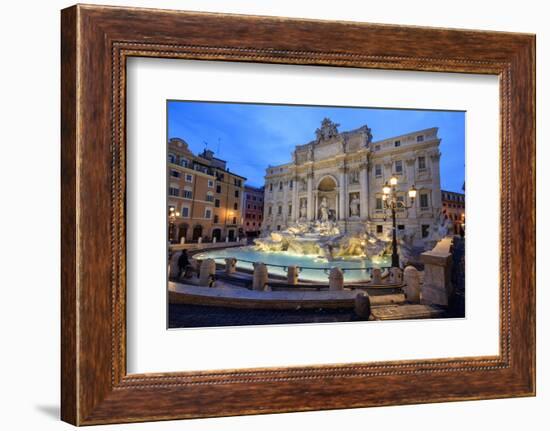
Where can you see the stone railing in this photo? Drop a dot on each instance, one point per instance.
(202, 245)
(437, 287)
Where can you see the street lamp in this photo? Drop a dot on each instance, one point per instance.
(172, 214)
(391, 202)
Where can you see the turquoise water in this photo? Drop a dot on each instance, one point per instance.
(312, 267)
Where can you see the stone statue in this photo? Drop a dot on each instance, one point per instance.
(327, 130)
(323, 210)
(303, 209)
(354, 206)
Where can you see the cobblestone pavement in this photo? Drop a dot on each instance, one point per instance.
(196, 316)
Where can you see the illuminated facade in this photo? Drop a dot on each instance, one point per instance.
(205, 196)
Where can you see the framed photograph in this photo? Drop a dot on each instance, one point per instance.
(264, 214)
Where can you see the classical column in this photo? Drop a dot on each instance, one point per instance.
(315, 204)
(337, 209)
(342, 197)
(310, 196)
(295, 209)
(436, 181)
(364, 183)
(411, 180)
(285, 203)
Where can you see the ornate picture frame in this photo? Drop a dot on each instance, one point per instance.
(96, 41)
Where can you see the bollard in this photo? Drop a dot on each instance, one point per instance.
(214, 240)
(230, 265)
(376, 276)
(336, 279)
(396, 276)
(362, 306)
(412, 288)
(207, 272)
(292, 274)
(174, 269)
(199, 241)
(259, 279)
(182, 240)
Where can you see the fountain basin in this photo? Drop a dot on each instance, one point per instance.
(313, 268)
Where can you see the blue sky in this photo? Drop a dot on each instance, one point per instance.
(252, 136)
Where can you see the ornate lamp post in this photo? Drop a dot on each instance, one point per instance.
(172, 214)
(392, 204)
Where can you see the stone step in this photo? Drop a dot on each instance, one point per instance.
(406, 311)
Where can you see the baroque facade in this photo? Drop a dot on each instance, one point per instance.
(454, 205)
(340, 176)
(206, 195)
(253, 210)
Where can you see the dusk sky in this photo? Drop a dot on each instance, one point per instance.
(252, 136)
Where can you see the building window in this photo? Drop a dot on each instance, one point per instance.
(270, 187)
(291, 184)
(217, 203)
(420, 138)
(174, 191)
(211, 184)
(189, 178)
(236, 193)
(379, 228)
(188, 194)
(248, 206)
(423, 200)
(171, 158)
(175, 174)
(218, 189)
(401, 227)
(269, 210)
(290, 210)
(184, 162)
(279, 210)
(378, 204)
(378, 170)
(398, 166)
(234, 220)
(235, 206)
(209, 197)
(421, 163)
(216, 218)
(185, 212)
(397, 143)
(278, 227)
(425, 230)
(208, 213)
(280, 185)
